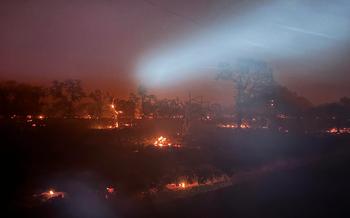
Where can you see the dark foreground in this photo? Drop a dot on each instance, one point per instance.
(312, 181)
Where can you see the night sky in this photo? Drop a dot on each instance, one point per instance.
(102, 43)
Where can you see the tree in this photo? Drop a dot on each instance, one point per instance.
(128, 107)
(142, 92)
(335, 114)
(148, 102)
(250, 78)
(100, 101)
(65, 96)
(20, 99)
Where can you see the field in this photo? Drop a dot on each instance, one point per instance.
(265, 173)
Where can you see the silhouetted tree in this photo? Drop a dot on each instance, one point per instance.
(336, 114)
(250, 78)
(65, 96)
(20, 99)
(100, 102)
(142, 92)
(128, 107)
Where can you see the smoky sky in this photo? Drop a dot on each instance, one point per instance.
(102, 43)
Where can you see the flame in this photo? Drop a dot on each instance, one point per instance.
(50, 194)
(186, 185)
(110, 190)
(161, 141)
(335, 130)
(234, 126)
(182, 185)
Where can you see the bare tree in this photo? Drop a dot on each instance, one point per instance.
(249, 77)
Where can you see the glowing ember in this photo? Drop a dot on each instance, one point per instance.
(338, 130)
(234, 126)
(161, 141)
(110, 192)
(165, 142)
(244, 126)
(185, 185)
(50, 194)
(41, 117)
(182, 185)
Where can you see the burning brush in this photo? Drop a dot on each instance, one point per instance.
(164, 142)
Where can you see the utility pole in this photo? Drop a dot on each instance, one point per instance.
(189, 112)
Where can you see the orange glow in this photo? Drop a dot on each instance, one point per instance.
(185, 185)
(234, 126)
(182, 185)
(335, 130)
(244, 126)
(50, 194)
(161, 141)
(165, 142)
(110, 190)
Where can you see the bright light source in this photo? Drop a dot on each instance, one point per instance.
(278, 30)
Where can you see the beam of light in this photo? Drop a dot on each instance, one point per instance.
(278, 30)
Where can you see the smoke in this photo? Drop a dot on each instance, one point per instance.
(278, 30)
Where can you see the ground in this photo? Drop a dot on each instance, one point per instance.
(273, 174)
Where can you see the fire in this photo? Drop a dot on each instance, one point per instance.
(50, 194)
(244, 126)
(162, 141)
(110, 190)
(186, 185)
(234, 126)
(227, 126)
(41, 117)
(338, 130)
(182, 185)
